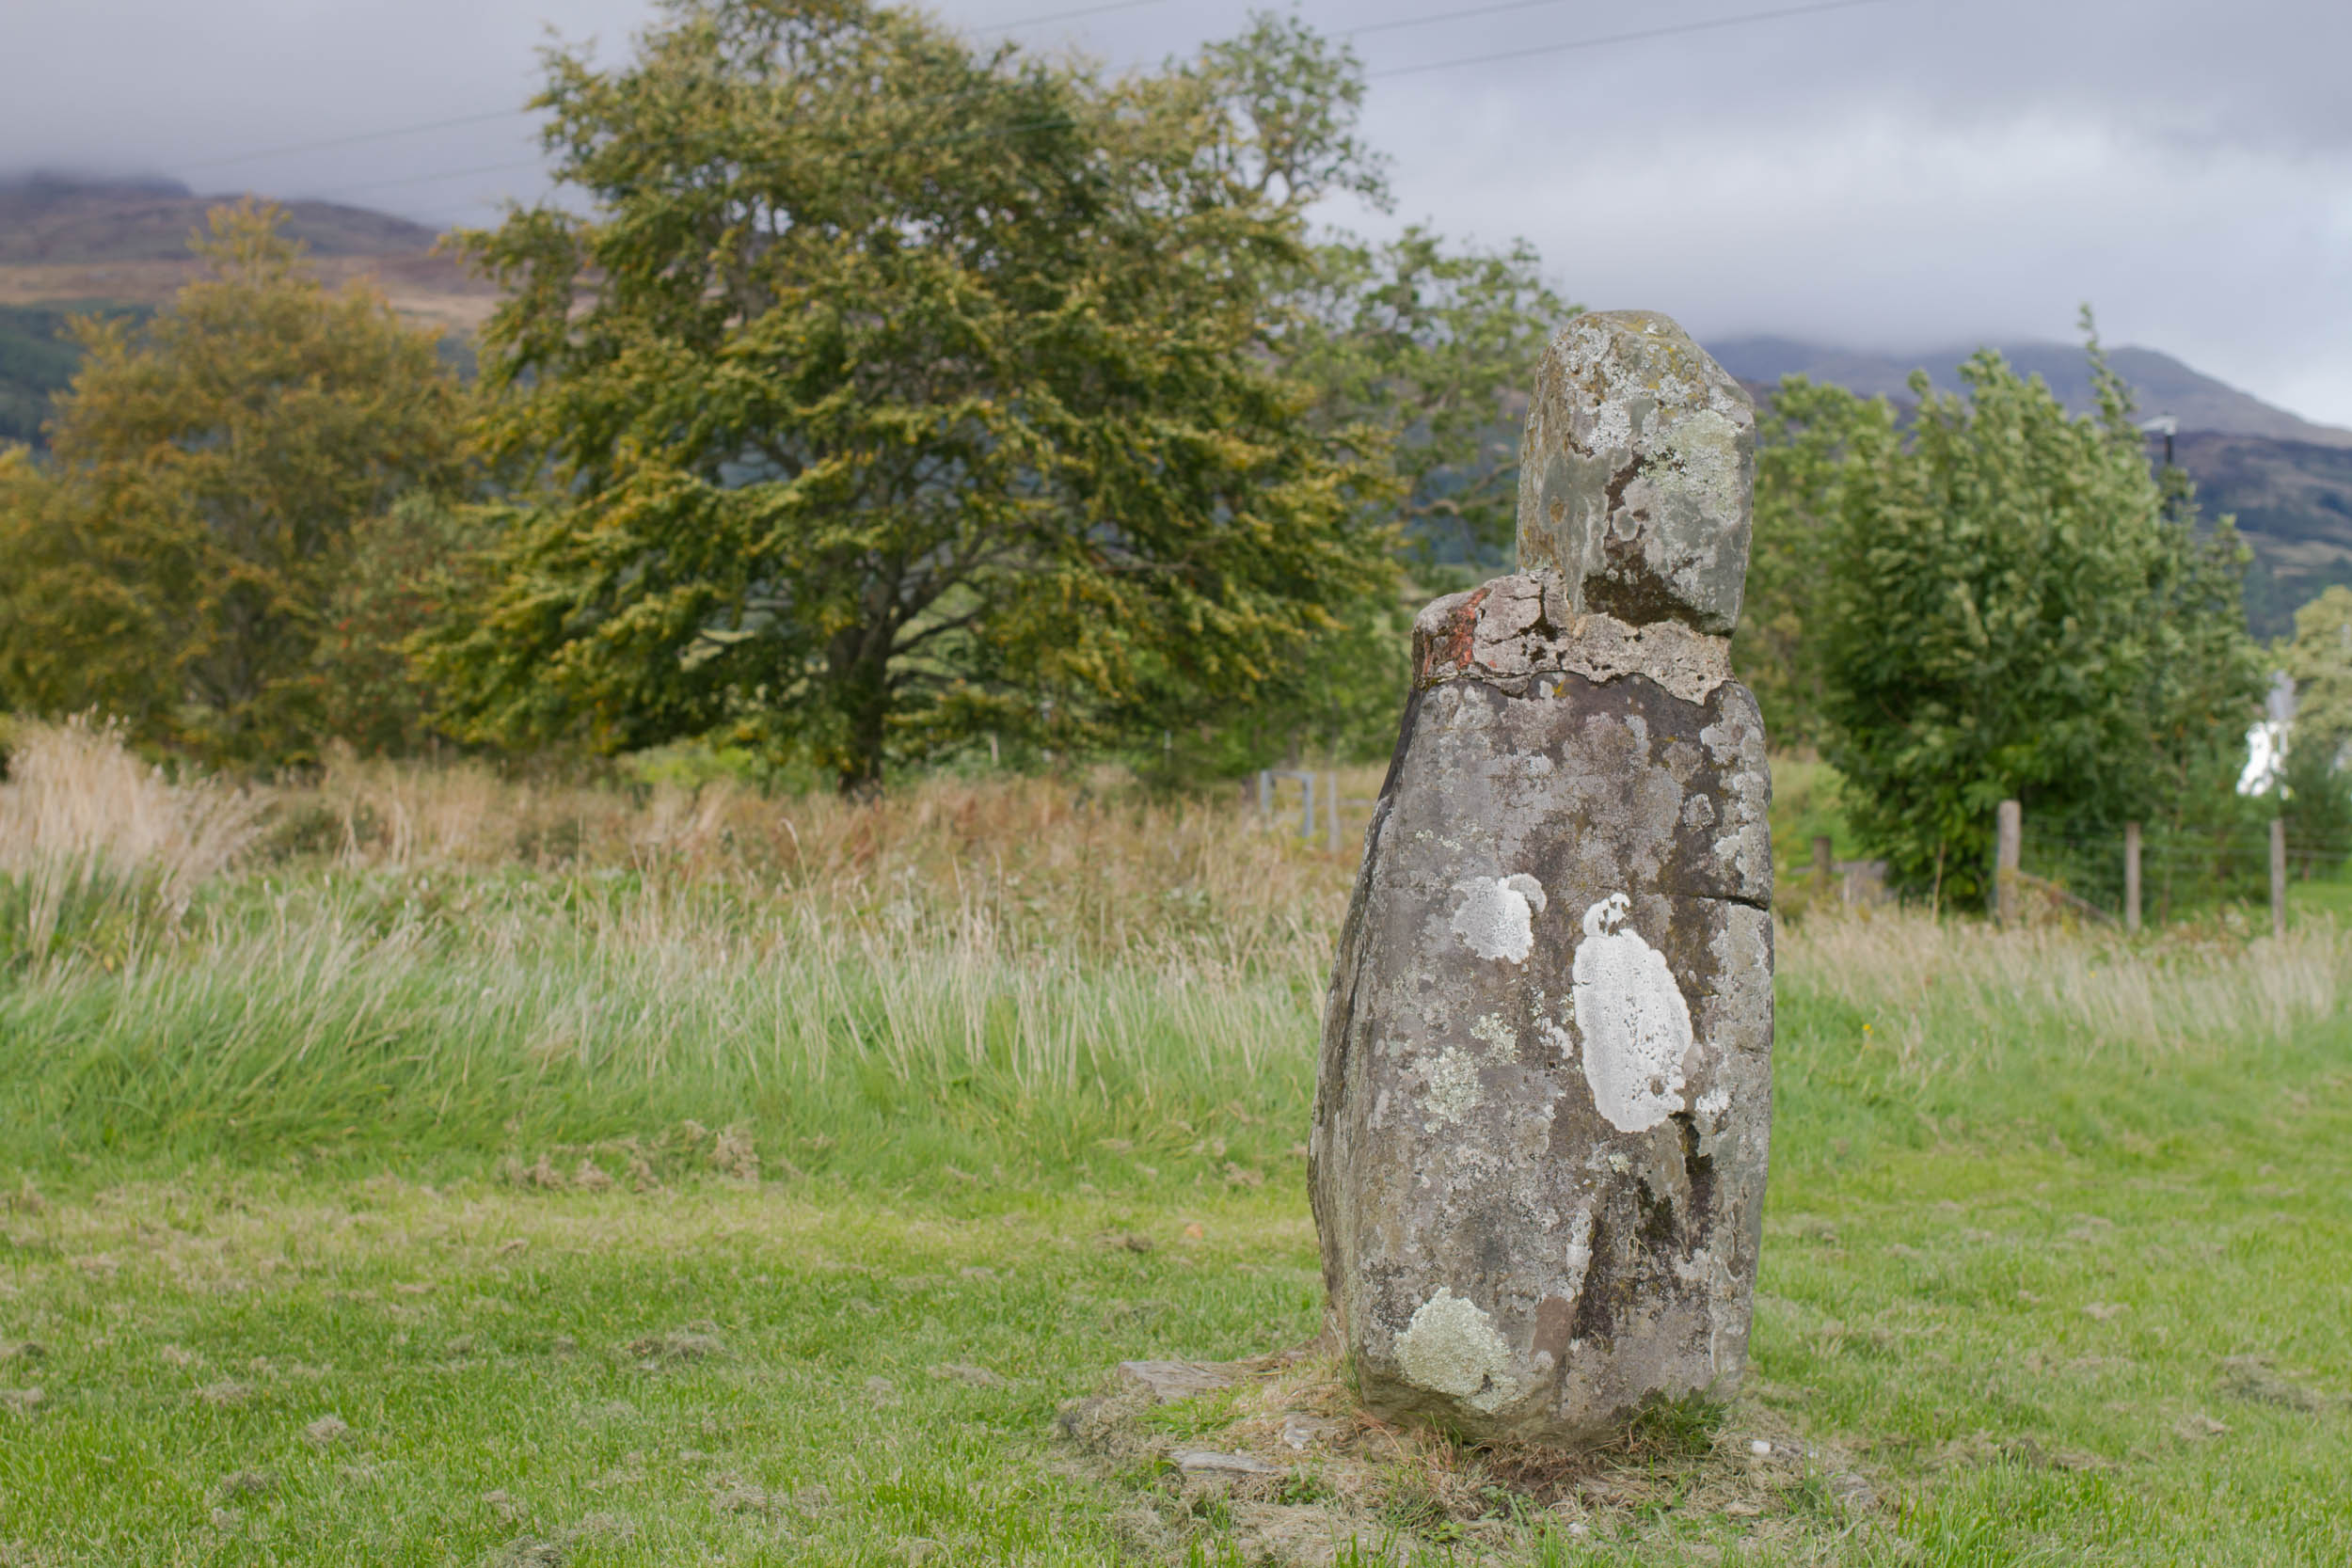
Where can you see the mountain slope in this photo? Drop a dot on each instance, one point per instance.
(2287, 481)
(2164, 385)
(49, 217)
(70, 245)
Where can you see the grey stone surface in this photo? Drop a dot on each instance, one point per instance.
(1169, 1381)
(1207, 1462)
(1636, 471)
(1545, 1095)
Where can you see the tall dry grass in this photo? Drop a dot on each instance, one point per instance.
(448, 956)
(92, 840)
(1097, 868)
(2159, 995)
(1898, 1025)
(469, 959)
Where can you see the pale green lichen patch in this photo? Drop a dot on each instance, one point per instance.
(1703, 450)
(1499, 1036)
(1450, 1089)
(1634, 473)
(1452, 1346)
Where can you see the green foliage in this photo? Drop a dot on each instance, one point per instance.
(1434, 347)
(2316, 799)
(919, 393)
(2000, 602)
(1801, 431)
(1431, 348)
(2318, 659)
(399, 573)
(2317, 793)
(173, 563)
(37, 356)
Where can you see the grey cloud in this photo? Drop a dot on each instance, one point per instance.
(1892, 175)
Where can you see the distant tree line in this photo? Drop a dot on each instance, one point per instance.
(885, 397)
(875, 400)
(1998, 601)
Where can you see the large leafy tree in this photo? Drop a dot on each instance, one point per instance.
(1802, 433)
(173, 563)
(2010, 604)
(1437, 346)
(886, 391)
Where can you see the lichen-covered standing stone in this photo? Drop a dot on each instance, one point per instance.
(1546, 1084)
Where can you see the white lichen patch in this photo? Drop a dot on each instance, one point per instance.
(1633, 1020)
(1450, 1089)
(1499, 1037)
(1496, 918)
(1580, 1259)
(1452, 1346)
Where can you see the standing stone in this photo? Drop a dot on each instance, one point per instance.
(1546, 1084)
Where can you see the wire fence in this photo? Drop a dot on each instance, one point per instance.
(2124, 874)
(1313, 802)
(2135, 873)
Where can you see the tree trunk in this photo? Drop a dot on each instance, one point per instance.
(865, 705)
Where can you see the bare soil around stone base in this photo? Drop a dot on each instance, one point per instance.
(1273, 1461)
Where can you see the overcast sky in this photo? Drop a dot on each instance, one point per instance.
(1900, 174)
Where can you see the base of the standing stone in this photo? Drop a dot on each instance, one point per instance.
(1277, 1457)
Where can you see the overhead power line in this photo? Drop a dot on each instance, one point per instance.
(1068, 16)
(352, 140)
(1430, 18)
(444, 174)
(1600, 41)
(1607, 39)
(361, 138)
(387, 133)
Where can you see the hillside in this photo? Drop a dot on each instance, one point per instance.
(69, 244)
(2286, 480)
(53, 218)
(2163, 384)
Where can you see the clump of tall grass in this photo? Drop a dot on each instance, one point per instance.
(2050, 1030)
(529, 1025)
(1003, 965)
(2158, 997)
(1095, 865)
(100, 853)
(963, 970)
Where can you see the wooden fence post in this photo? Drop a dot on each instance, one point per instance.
(1824, 861)
(2131, 875)
(1331, 828)
(2009, 826)
(2278, 876)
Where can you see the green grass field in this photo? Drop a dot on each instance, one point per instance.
(761, 1199)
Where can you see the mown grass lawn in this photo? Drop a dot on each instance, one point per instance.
(2130, 1352)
